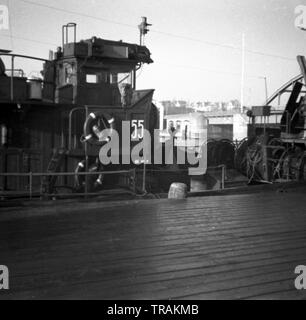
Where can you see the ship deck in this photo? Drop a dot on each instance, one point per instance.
(216, 247)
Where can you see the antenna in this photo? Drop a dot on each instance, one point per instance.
(143, 28)
(242, 72)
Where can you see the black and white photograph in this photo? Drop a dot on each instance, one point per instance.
(152, 153)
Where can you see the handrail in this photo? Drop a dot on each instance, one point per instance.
(13, 56)
(22, 56)
(60, 174)
(131, 172)
(31, 175)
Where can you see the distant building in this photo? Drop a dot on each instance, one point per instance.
(183, 107)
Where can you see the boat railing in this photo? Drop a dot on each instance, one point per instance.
(12, 69)
(33, 192)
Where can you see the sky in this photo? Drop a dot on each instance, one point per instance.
(196, 45)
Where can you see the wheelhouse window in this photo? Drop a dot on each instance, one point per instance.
(96, 77)
(91, 78)
(121, 77)
(67, 74)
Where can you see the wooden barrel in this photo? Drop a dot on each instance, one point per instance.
(177, 191)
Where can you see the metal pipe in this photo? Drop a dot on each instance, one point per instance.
(134, 78)
(63, 36)
(144, 177)
(304, 115)
(287, 122)
(266, 87)
(12, 79)
(70, 125)
(86, 157)
(242, 72)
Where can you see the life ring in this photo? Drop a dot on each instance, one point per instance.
(94, 127)
(95, 181)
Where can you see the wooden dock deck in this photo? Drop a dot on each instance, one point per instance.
(218, 247)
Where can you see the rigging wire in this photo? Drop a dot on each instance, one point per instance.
(159, 32)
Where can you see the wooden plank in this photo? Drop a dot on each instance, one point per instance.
(208, 247)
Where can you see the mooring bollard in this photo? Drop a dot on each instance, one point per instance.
(177, 191)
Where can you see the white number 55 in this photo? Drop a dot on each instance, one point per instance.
(137, 129)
